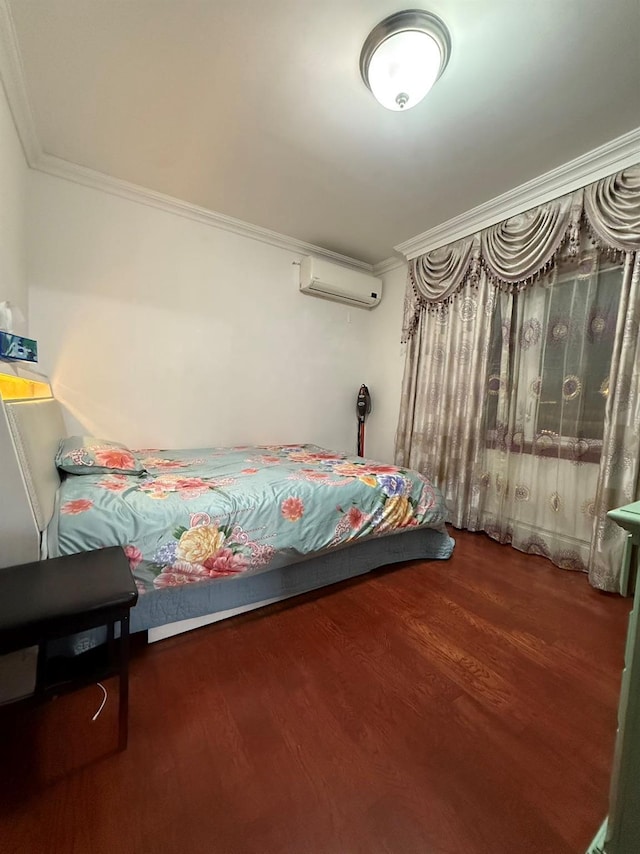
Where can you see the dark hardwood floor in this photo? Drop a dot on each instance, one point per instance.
(456, 707)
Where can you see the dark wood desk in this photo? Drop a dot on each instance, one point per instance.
(50, 599)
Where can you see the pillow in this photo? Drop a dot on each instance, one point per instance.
(88, 455)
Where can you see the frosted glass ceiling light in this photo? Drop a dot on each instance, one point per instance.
(403, 57)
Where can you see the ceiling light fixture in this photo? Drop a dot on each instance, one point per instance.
(403, 57)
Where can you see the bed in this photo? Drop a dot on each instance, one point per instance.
(213, 532)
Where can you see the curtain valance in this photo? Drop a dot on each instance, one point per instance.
(516, 252)
(612, 209)
(439, 274)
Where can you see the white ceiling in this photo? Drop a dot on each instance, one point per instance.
(256, 109)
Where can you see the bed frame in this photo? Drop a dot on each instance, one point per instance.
(30, 432)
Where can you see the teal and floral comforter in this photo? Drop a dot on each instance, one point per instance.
(203, 514)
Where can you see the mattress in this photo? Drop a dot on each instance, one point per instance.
(198, 520)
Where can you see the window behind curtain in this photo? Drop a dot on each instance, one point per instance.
(581, 324)
(567, 323)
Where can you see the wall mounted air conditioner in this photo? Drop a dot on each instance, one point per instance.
(327, 280)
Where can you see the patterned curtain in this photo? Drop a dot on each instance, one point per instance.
(521, 393)
(440, 432)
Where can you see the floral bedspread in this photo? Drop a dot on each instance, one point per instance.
(203, 514)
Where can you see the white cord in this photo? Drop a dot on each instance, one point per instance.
(104, 700)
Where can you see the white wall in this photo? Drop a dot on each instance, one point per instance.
(385, 367)
(13, 189)
(161, 331)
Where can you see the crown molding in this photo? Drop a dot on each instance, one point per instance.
(389, 264)
(619, 153)
(15, 87)
(60, 168)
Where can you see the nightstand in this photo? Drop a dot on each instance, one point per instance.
(54, 598)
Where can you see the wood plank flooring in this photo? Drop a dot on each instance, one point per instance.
(456, 707)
